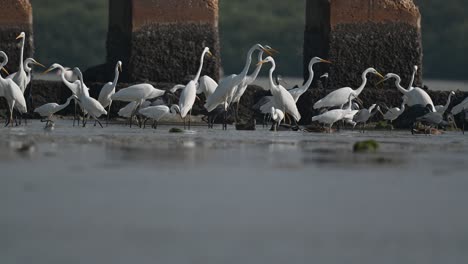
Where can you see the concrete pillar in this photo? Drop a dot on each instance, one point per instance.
(15, 17)
(356, 34)
(160, 40)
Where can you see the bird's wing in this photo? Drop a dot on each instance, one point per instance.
(106, 93)
(224, 89)
(206, 85)
(154, 111)
(460, 107)
(187, 98)
(11, 76)
(335, 98)
(262, 101)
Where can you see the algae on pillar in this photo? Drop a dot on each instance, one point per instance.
(356, 34)
(160, 40)
(15, 17)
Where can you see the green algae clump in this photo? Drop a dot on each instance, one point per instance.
(366, 146)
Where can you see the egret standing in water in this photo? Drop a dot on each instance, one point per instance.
(12, 93)
(48, 110)
(158, 112)
(364, 115)
(282, 99)
(137, 93)
(332, 116)
(91, 106)
(393, 113)
(277, 116)
(416, 95)
(227, 86)
(339, 97)
(108, 90)
(189, 93)
(21, 78)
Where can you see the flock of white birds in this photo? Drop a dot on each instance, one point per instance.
(220, 97)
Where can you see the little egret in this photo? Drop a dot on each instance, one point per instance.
(277, 116)
(395, 112)
(340, 97)
(48, 110)
(365, 114)
(108, 90)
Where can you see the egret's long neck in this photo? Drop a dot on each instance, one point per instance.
(82, 87)
(448, 101)
(358, 91)
(4, 62)
(27, 68)
(255, 73)
(412, 79)
(174, 109)
(273, 66)
(60, 107)
(371, 108)
(201, 66)
(116, 77)
(21, 66)
(62, 75)
(248, 61)
(311, 77)
(398, 85)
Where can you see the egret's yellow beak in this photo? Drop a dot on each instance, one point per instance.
(19, 36)
(326, 61)
(270, 51)
(5, 70)
(380, 75)
(38, 64)
(209, 53)
(261, 62)
(48, 70)
(381, 81)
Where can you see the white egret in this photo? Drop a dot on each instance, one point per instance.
(226, 89)
(73, 86)
(137, 93)
(460, 107)
(91, 106)
(282, 99)
(413, 76)
(108, 90)
(189, 93)
(340, 97)
(21, 78)
(442, 108)
(27, 68)
(12, 93)
(206, 85)
(332, 116)
(297, 92)
(277, 115)
(365, 114)
(127, 110)
(248, 81)
(395, 112)
(48, 110)
(416, 95)
(158, 112)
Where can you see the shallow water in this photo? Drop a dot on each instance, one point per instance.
(121, 195)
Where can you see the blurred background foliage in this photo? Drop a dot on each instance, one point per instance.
(74, 33)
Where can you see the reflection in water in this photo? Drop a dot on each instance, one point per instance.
(120, 195)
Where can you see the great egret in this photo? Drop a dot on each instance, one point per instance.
(224, 93)
(248, 81)
(277, 115)
(340, 97)
(73, 86)
(282, 99)
(365, 114)
(413, 76)
(158, 112)
(395, 112)
(416, 95)
(48, 110)
(27, 68)
(460, 107)
(137, 93)
(91, 106)
(332, 116)
(297, 92)
(108, 90)
(442, 108)
(12, 93)
(21, 78)
(189, 93)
